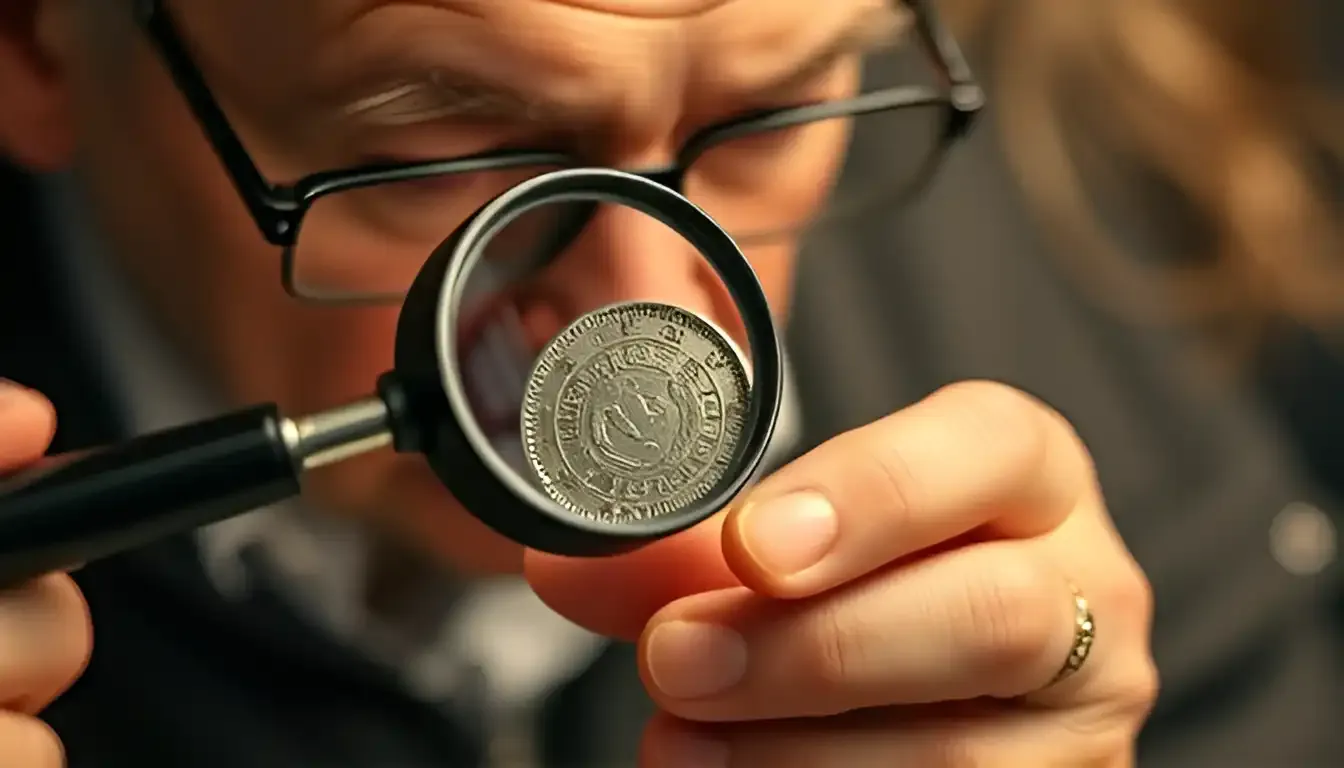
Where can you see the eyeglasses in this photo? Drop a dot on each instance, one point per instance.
(360, 234)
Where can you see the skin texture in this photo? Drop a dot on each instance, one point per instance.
(942, 607)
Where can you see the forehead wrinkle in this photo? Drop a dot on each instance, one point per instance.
(560, 62)
(600, 66)
(613, 68)
(647, 9)
(652, 10)
(747, 40)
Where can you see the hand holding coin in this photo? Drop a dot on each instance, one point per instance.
(925, 590)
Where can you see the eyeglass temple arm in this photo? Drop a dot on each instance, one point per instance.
(268, 204)
(967, 95)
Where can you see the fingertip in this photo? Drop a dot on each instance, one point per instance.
(73, 642)
(48, 641)
(778, 548)
(29, 423)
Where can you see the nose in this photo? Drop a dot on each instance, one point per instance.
(625, 255)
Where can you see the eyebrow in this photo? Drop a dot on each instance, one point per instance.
(430, 94)
(436, 94)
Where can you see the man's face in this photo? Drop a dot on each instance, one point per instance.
(315, 85)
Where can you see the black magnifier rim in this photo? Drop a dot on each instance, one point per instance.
(605, 185)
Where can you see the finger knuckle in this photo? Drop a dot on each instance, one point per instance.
(1118, 704)
(1004, 412)
(1129, 594)
(837, 644)
(1013, 612)
(1125, 602)
(1002, 415)
(889, 470)
(1029, 438)
(993, 402)
(1139, 689)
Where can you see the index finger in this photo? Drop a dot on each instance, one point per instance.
(973, 459)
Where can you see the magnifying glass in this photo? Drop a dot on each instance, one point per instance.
(639, 419)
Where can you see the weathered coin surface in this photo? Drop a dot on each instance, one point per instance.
(634, 412)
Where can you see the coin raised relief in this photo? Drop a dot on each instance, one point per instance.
(634, 412)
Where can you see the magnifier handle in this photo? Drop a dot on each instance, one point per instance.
(76, 508)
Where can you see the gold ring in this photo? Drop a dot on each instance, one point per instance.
(1084, 632)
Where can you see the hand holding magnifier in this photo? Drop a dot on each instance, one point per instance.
(611, 491)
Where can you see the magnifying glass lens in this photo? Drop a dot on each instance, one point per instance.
(637, 416)
(624, 411)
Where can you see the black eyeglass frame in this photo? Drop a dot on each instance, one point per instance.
(278, 209)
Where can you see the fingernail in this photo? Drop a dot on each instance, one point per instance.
(791, 533)
(691, 750)
(690, 660)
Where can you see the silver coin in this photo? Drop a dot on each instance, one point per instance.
(634, 412)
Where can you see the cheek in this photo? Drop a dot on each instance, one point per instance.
(336, 355)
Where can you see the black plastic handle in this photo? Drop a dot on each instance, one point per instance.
(73, 510)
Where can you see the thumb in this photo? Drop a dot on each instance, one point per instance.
(27, 423)
(616, 596)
